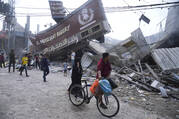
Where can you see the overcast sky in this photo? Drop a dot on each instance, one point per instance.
(122, 23)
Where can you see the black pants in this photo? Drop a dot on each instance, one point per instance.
(22, 69)
(75, 81)
(45, 73)
(3, 64)
(13, 64)
(37, 64)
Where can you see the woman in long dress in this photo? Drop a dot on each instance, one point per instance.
(77, 72)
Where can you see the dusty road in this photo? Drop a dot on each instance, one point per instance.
(30, 98)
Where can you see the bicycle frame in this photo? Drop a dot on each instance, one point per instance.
(85, 88)
(87, 98)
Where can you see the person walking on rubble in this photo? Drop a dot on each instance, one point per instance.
(65, 65)
(77, 72)
(37, 61)
(2, 62)
(12, 60)
(45, 66)
(24, 65)
(73, 54)
(103, 72)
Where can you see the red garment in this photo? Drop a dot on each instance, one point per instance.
(1, 58)
(105, 68)
(37, 58)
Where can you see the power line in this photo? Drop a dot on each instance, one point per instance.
(112, 9)
(124, 7)
(138, 9)
(109, 10)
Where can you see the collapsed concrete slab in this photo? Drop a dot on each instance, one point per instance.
(132, 49)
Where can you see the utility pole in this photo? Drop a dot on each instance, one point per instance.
(38, 28)
(11, 25)
(27, 33)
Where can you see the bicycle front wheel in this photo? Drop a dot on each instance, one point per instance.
(110, 106)
(77, 95)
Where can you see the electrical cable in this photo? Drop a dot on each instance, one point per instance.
(124, 7)
(132, 8)
(114, 10)
(126, 2)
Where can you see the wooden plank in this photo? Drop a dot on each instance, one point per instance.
(133, 82)
(152, 71)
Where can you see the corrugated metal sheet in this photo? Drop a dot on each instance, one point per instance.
(167, 58)
(97, 47)
(86, 60)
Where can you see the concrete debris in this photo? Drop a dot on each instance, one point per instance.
(56, 69)
(156, 84)
(146, 78)
(132, 49)
(163, 92)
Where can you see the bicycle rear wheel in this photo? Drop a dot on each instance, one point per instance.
(112, 105)
(77, 95)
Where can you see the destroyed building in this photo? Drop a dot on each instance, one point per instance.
(17, 41)
(86, 23)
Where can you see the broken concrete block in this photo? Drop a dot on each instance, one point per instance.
(163, 92)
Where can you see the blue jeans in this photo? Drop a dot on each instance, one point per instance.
(24, 67)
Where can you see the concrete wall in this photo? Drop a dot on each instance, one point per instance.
(172, 28)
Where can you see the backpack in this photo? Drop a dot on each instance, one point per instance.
(105, 86)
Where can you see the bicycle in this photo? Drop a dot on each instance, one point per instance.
(79, 94)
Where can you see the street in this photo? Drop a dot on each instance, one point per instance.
(30, 98)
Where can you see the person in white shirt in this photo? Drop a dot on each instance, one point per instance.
(73, 54)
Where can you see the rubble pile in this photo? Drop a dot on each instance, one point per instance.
(147, 78)
(146, 86)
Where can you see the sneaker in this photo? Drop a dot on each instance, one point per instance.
(27, 76)
(102, 105)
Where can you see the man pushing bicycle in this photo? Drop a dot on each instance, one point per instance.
(103, 72)
(107, 103)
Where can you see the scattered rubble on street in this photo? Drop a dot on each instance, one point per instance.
(147, 78)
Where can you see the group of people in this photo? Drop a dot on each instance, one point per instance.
(103, 67)
(103, 71)
(40, 63)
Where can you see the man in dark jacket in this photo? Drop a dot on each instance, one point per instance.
(37, 62)
(12, 60)
(45, 67)
(1, 60)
